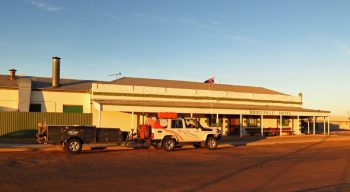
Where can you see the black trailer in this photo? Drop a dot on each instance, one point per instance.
(72, 137)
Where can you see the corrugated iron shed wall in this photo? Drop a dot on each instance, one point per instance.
(24, 124)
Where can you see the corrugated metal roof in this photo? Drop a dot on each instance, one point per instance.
(204, 105)
(5, 82)
(192, 85)
(65, 84)
(44, 83)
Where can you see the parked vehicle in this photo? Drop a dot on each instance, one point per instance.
(72, 137)
(168, 132)
(177, 132)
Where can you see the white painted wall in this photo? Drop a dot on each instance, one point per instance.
(113, 119)
(54, 101)
(9, 100)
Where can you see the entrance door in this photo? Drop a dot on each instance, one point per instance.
(234, 125)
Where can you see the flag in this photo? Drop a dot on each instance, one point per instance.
(210, 81)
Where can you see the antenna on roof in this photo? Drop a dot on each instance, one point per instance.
(116, 75)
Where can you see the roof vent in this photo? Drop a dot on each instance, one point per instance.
(301, 96)
(56, 72)
(12, 75)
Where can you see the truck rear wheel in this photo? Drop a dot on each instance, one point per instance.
(73, 146)
(169, 144)
(212, 143)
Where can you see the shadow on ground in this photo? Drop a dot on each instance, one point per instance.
(337, 187)
(233, 173)
(237, 141)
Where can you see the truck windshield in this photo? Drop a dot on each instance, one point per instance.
(192, 123)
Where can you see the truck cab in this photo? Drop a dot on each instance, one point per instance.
(183, 131)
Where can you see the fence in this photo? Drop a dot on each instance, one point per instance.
(24, 124)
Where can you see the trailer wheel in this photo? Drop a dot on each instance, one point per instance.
(169, 144)
(212, 143)
(73, 146)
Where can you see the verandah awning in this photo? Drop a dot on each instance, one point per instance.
(203, 108)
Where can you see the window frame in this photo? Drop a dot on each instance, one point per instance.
(212, 121)
(285, 122)
(177, 127)
(252, 121)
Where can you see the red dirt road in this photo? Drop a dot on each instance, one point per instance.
(323, 166)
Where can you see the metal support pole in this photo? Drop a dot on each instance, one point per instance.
(99, 115)
(308, 126)
(262, 125)
(217, 120)
(280, 125)
(298, 120)
(324, 125)
(191, 115)
(132, 119)
(314, 125)
(328, 124)
(240, 125)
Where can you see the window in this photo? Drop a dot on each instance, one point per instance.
(285, 122)
(212, 121)
(176, 123)
(72, 109)
(253, 121)
(34, 107)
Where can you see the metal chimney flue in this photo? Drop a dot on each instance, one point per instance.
(56, 71)
(12, 75)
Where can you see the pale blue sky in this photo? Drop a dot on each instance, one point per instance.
(289, 46)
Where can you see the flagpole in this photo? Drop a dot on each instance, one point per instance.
(211, 101)
(210, 82)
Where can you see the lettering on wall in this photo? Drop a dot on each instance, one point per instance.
(263, 112)
(284, 113)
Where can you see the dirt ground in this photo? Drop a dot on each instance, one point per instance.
(323, 166)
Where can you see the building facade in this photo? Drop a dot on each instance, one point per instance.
(127, 102)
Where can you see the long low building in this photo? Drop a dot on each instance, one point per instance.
(126, 102)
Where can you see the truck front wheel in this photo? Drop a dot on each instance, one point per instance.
(212, 143)
(73, 146)
(169, 144)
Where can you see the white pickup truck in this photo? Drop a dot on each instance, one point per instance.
(181, 131)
